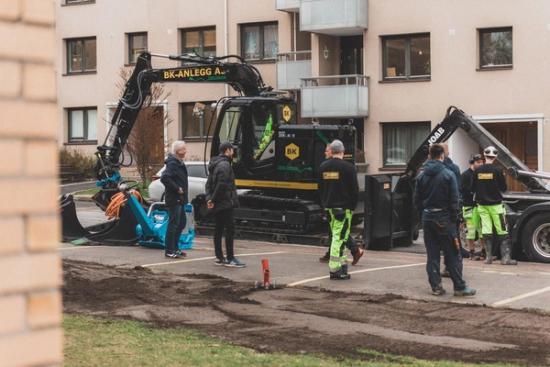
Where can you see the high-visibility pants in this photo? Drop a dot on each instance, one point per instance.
(492, 216)
(471, 217)
(340, 227)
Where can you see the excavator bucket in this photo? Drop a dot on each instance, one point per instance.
(121, 231)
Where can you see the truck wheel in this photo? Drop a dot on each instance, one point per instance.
(535, 238)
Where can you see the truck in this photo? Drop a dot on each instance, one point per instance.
(390, 218)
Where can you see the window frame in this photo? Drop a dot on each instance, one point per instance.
(397, 125)
(68, 56)
(201, 30)
(204, 128)
(129, 40)
(480, 32)
(407, 38)
(262, 26)
(84, 140)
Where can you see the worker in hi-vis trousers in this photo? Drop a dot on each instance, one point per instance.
(488, 185)
(339, 192)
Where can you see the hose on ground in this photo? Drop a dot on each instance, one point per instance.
(117, 201)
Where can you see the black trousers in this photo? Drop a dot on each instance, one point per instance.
(176, 223)
(224, 223)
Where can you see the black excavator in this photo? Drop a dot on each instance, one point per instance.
(276, 159)
(390, 219)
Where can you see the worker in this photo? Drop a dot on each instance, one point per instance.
(356, 251)
(221, 196)
(174, 179)
(436, 199)
(267, 137)
(469, 207)
(488, 186)
(339, 194)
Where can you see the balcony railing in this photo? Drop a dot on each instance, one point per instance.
(339, 96)
(291, 68)
(334, 17)
(288, 5)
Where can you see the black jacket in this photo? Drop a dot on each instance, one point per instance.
(448, 162)
(436, 188)
(339, 188)
(488, 185)
(220, 185)
(466, 183)
(173, 178)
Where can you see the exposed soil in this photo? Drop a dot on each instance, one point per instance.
(303, 320)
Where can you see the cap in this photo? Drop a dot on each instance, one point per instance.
(490, 151)
(475, 158)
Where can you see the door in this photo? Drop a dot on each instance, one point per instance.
(521, 139)
(351, 61)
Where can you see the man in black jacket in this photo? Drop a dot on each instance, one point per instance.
(436, 197)
(339, 193)
(469, 208)
(221, 196)
(174, 179)
(488, 185)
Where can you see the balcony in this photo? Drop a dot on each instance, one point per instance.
(338, 96)
(288, 5)
(291, 67)
(334, 17)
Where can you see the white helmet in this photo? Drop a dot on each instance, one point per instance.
(490, 152)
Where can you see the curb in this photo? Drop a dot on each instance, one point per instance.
(82, 198)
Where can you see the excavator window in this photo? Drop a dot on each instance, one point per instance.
(229, 129)
(263, 120)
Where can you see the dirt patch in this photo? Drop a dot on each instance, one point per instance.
(305, 320)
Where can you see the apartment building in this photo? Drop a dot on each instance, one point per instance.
(390, 67)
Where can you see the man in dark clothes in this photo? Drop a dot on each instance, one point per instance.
(221, 196)
(339, 194)
(436, 197)
(488, 186)
(174, 179)
(356, 251)
(469, 207)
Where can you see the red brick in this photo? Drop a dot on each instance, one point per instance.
(12, 314)
(44, 309)
(29, 272)
(28, 196)
(41, 158)
(40, 347)
(29, 120)
(13, 237)
(43, 232)
(11, 159)
(11, 79)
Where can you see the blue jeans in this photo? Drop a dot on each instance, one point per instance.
(439, 235)
(177, 220)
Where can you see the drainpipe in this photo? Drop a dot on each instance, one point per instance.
(226, 36)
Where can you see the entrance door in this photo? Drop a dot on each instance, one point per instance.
(521, 139)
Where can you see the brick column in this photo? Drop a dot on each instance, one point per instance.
(30, 269)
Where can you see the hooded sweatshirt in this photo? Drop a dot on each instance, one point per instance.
(488, 185)
(436, 188)
(173, 178)
(220, 185)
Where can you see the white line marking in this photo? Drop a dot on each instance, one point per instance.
(520, 297)
(209, 258)
(300, 282)
(79, 247)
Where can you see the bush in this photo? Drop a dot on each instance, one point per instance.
(82, 164)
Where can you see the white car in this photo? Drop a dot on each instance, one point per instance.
(197, 173)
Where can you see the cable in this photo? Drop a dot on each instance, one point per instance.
(117, 201)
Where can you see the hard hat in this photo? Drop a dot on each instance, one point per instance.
(490, 151)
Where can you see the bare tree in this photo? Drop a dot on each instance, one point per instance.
(146, 142)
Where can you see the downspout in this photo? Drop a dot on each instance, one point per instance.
(226, 36)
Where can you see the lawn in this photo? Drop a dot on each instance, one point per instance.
(99, 342)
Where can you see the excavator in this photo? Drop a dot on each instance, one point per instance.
(276, 159)
(390, 219)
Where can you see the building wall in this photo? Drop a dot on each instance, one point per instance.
(30, 270)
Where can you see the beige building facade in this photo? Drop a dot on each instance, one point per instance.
(390, 67)
(30, 267)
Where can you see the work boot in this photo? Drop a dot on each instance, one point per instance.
(357, 255)
(339, 275)
(505, 251)
(325, 258)
(466, 292)
(438, 291)
(344, 269)
(489, 251)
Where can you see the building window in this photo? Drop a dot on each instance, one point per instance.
(259, 41)
(400, 141)
(495, 48)
(195, 119)
(406, 56)
(82, 125)
(137, 43)
(81, 55)
(200, 41)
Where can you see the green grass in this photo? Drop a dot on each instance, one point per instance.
(99, 342)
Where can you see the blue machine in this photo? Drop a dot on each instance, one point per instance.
(152, 226)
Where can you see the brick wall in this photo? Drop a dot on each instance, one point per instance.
(30, 269)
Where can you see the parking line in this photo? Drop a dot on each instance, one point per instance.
(300, 282)
(520, 297)
(209, 258)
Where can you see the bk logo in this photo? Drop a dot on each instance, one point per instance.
(292, 151)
